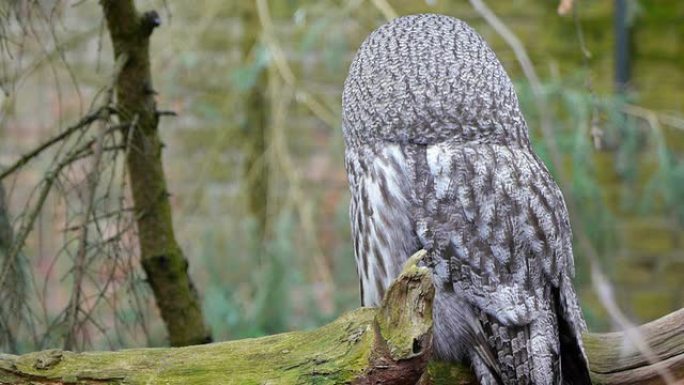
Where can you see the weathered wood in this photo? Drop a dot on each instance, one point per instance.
(612, 358)
(615, 360)
(389, 345)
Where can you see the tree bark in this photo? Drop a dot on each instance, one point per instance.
(12, 287)
(389, 345)
(6, 233)
(613, 359)
(255, 127)
(161, 256)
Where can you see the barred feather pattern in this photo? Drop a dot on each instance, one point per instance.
(438, 158)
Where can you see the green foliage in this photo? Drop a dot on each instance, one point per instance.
(245, 77)
(618, 190)
(256, 290)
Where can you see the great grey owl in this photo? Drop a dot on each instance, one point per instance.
(438, 158)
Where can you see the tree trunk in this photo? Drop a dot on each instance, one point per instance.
(255, 127)
(12, 287)
(161, 256)
(5, 227)
(388, 345)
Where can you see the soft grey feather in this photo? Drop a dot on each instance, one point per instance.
(438, 157)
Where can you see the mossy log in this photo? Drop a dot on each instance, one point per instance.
(388, 345)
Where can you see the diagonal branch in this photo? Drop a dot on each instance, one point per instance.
(27, 225)
(93, 179)
(161, 256)
(83, 123)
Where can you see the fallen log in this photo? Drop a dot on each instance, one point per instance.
(613, 358)
(388, 345)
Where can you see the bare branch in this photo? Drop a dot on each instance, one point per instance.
(48, 182)
(385, 8)
(653, 117)
(284, 70)
(93, 178)
(83, 123)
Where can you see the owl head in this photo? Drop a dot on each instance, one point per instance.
(426, 79)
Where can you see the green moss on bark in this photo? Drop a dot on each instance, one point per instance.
(350, 350)
(162, 258)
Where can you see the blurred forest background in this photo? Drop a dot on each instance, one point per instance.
(254, 157)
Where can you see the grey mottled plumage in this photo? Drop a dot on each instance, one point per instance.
(438, 158)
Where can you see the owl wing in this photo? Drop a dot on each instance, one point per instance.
(497, 227)
(382, 225)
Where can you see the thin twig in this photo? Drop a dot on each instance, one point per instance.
(93, 180)
(282, 97)
(79, 264)
(653, 116)
(48, 181)
(528, 69)
(84, 122)
(284, 70)
(53, 175)
(385, 8)
(596, 132)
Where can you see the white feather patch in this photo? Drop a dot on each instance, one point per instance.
(439, 161)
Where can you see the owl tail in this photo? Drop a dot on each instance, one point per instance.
(513, 355)
(484, 360)
(574, 364)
